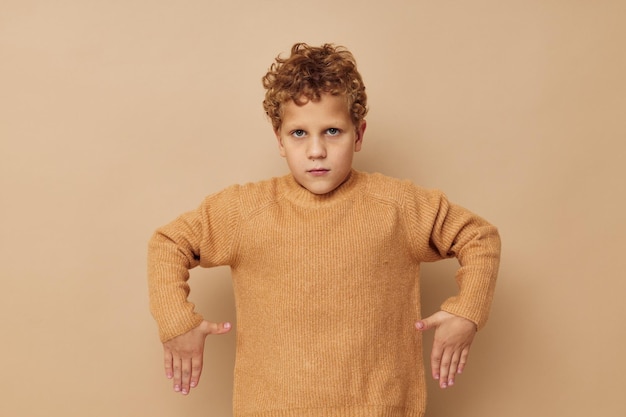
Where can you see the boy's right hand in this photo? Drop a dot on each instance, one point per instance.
(184, 354)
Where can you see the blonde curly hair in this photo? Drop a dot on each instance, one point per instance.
(310, 72)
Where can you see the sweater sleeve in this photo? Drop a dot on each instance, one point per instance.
(445, 230)
(202, 237)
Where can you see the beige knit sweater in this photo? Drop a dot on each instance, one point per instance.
(326, 288)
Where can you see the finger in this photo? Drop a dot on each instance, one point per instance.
(435, 360)
(444, 368)
(169, 371)
(463, 360)
(196, 371)
(177, 367)
(427, 323)
(185, 376)
(454, 363)
(219, 328)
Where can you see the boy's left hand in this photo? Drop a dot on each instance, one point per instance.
(453, 338)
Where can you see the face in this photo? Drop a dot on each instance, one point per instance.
(319, 140)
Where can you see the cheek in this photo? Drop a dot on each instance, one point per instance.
(346, 153)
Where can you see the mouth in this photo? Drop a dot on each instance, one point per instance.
(318, 171)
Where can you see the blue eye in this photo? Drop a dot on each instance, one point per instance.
(333, 131)
(298, 133)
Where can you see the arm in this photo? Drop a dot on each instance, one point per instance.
(201, 237)
(456, 232)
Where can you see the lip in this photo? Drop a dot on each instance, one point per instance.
(318, 171)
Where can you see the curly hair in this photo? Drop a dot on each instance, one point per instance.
(310, 72)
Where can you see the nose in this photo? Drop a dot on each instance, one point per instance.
(316, 148)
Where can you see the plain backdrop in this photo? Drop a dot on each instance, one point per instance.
(116, 116)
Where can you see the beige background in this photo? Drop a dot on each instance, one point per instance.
(115, 116)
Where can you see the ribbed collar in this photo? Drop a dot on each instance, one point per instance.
(300, 196)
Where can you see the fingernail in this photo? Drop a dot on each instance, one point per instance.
(192, 384)
(184, 392)
(227, 325)
(176, 388)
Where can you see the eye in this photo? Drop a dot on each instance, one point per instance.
(298, 133)
(333, 131)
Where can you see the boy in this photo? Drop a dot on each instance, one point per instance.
(325, 265)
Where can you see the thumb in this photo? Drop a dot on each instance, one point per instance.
(428, 323)
(216, 328)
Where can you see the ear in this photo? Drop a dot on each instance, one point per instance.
(281, 147)
(360, 132)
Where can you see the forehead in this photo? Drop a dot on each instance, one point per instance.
(328, 109)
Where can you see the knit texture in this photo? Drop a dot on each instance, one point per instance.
(326, 288)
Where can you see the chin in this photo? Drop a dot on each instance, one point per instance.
(321, 191)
